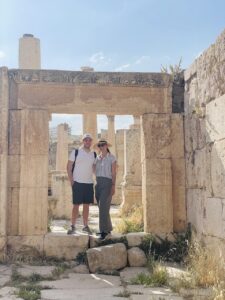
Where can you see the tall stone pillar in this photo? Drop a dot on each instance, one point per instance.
(4, 106)
(62, 147)
(90, 125)
(111, 133)
(33, 185)
(131, 186)
(117, 198)
(29, 52)
(137, 122)
(157, 173)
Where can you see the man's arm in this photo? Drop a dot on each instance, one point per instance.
(69, 171)
(113, 177)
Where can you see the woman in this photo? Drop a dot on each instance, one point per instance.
(105, 171)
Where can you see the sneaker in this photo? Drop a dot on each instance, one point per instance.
(87, 229)
(103, 235)
(72, 230)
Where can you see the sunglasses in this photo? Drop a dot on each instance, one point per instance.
(101, 145)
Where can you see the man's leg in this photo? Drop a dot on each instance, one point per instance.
(75, 213)
(85, 214)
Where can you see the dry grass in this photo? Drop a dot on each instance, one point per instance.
(131, 221)
(207, 268)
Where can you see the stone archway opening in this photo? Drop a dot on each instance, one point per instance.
(65, 134)
(28, 97)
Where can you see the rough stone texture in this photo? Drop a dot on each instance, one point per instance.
(135, 238)
(62, 147)
(131, 186)
(111, 133)
(110, 257)
(27, 270)
(127, 274)
(65, 246)
(95, 242)
(31, 246)
(60, 204)
(8, 293)
(5, 274)
(84, 287)
(136, 257)
(2, 247)
(117, 198)
(157, 173)
(90, 125)
(29, 53)
(205, 141)
(178, 173)
(80, 269)
(4, 105)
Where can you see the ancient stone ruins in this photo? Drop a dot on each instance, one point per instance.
(172, 160)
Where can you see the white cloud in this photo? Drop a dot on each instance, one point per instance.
(142, 59)
(121, 68)
(2, 54)
(99, 59)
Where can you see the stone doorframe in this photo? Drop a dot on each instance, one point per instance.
(27, 97)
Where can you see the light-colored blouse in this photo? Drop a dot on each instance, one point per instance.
(104, 165)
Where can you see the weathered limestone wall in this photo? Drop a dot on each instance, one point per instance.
(4, 103)
(205, 142)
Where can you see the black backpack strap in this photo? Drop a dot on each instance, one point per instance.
(95, 154)
(76, 153)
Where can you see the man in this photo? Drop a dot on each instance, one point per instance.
(81, 179)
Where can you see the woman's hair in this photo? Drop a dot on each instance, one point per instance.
(108, 150)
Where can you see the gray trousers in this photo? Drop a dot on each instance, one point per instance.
(104, 198)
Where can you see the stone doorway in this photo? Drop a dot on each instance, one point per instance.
(28, 97)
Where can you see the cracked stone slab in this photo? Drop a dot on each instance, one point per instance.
(83, 286)
(156, 293)
(127, 274)
(27, 270)
(5, 274)
(7, 293)
(84, 281)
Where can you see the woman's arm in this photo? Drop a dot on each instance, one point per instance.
(94, 169)
(113, 177)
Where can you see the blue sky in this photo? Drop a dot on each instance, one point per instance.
(111, 35)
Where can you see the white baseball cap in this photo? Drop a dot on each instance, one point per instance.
(87, 135)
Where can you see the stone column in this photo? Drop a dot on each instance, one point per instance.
(137, 121)
(117, 198)
(29, 52)
(131, 186)
(4, 106)
(33, 185)
(62, 147)
(111, 133)
(157, 173)
(90, 125)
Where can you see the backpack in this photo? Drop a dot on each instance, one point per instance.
(76, 153)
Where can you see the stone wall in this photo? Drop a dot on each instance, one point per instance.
(4, 102)
(205, 142)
